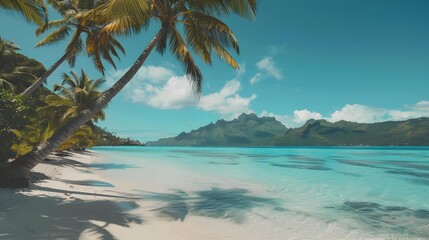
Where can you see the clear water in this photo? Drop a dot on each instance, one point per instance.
(333, 192)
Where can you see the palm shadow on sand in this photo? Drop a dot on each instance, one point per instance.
(46, 217)
(231, 204)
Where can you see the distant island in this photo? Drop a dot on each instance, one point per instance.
(105, 138)
(251, 130)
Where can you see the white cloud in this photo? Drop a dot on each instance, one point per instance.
(298, 119)
(359, 113)
(304, 115)
(160, 88)
(368, 114)
(267, 68)
(176, 93)
(355, 113)
(153, 74)
(267, 64)
(256, 78)
(227, 102)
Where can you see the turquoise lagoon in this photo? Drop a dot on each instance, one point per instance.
(289, 193)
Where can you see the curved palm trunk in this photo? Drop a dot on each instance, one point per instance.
(45, 76)
(23, 165)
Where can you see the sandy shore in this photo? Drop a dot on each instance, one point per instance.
(68, 199)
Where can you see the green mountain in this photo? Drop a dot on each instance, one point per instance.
(250, 130)
(246, 130)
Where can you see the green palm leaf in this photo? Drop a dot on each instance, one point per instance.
(33, 10)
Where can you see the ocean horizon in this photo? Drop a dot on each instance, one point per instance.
(282, 192)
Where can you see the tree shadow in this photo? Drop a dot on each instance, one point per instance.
(46, 217)
(231, 204)
(175, 208)
(95, 183)
(64, 161)
(396, 218)
(105, 166)
(118, 195)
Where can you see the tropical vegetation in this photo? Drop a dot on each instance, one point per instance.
(32, 10)
(188, 28)
(69, 10)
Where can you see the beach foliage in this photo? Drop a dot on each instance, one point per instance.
(188, 28)
(15, 113)
(69, 25)
(17, 72)
(32, 10)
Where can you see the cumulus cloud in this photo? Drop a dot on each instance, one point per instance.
(368, 114)
(359, 113)
(304, 115)
(267, 68)
(227, 102)
(355, 113)
(161, 88)
(298, 119)
(176, 93)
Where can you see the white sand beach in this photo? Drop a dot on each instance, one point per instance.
(72, 197)
(68, 199)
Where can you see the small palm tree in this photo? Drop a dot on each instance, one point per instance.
(203, 33)
(68, 10)
(33, 10)
(76, 93)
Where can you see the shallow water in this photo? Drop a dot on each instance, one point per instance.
(324, 193)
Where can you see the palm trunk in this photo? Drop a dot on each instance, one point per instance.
(23, 165)
(45, 76)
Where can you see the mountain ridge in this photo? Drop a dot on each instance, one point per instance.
(251, 130)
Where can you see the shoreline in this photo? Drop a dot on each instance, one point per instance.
(90, 195)
(70, 198)
(66, 200)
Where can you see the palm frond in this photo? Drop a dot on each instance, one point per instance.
(102, 44)
(54, 37)
(180, 50)
(244, 8)
(125, 15)
(32, 10)
(52, 24)
(74, 48)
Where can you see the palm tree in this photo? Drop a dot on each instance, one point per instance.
(204, 33)
(76, 93)
(69, 9)
(33, 10)
(12, 75)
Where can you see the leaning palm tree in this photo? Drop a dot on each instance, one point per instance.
(33, 10)
(69, 23)
(204, 33)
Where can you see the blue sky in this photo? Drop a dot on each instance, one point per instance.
(363, 61)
